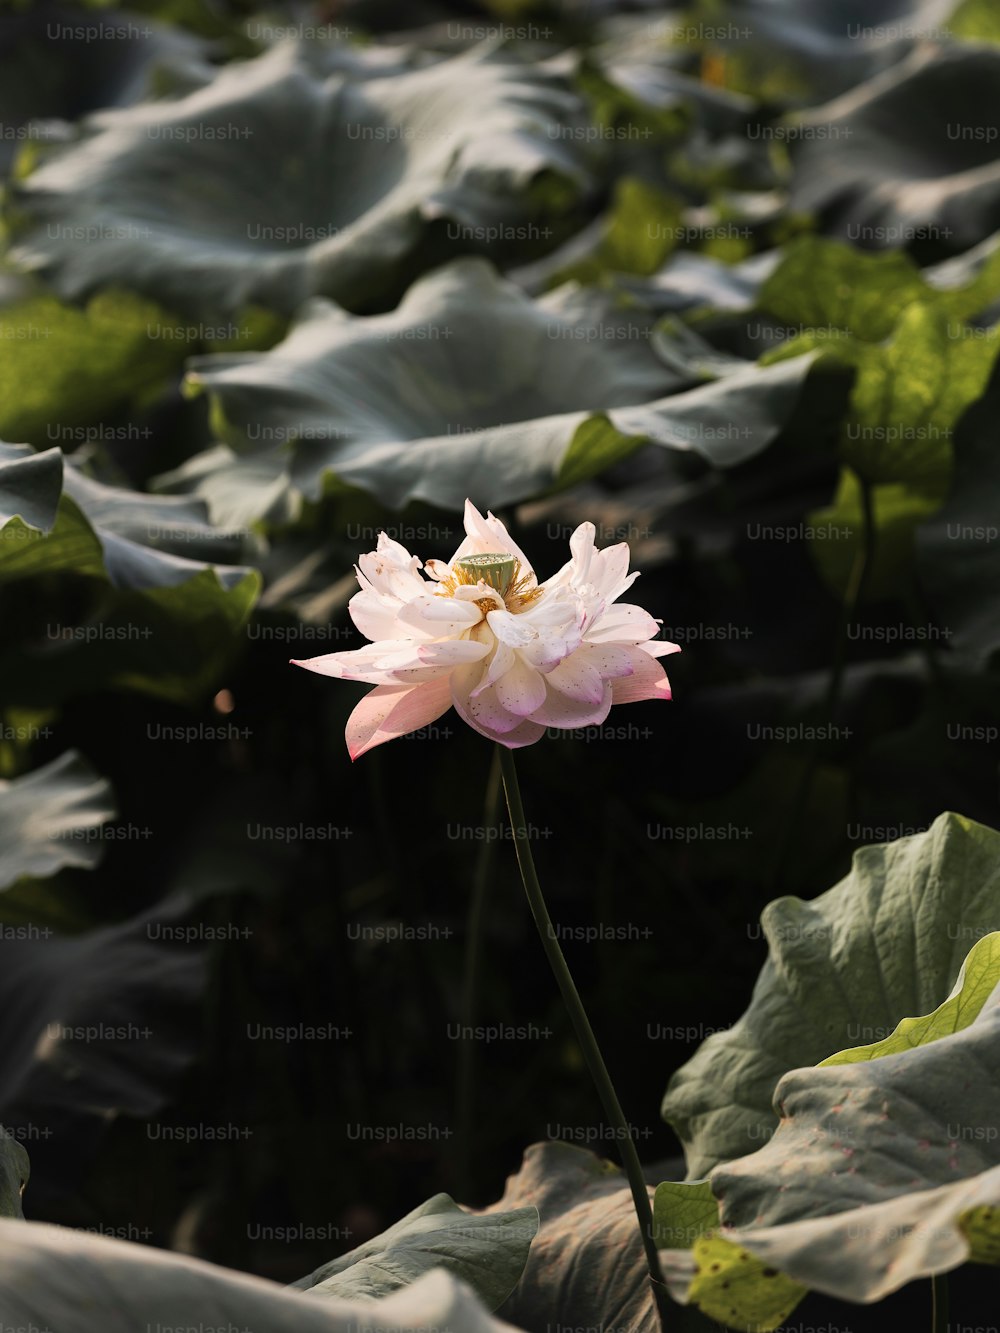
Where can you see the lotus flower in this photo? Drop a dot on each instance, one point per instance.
(481, 635)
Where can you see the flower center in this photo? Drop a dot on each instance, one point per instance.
(494, 568)
(498, 570)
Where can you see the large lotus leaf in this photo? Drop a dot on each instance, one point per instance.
(471, 389)
(271, 184)
(958, 551)
(885, 1168)
(52, 818)
(93, 1026)
(14, 1171)
(173, 613)
(586, 1265)
(908, 397)
(912, 155)
(886, 942)
(823, 287)
(919, 383)
(44, 76)
(30, 487)
(59, 1279)
(57, 518)
(238, 489)
(488, 1251)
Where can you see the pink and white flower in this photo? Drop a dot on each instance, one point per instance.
(481, 635)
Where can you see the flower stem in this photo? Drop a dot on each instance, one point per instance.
(474, 930)
(581, 1025)
(939, 1303)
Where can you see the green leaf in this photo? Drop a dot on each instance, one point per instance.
(729, 1283)
(58, 1278)
(52, 818)
(471, 389)
(14, 1172)
(682, 1211)
(976, 21)
(908, 156)
(976, 982)
(63, 366)
(821, 288)
(886, 942)
(822, 284)
(272, 183)
(488, 1251)
(835, 534)
(170, 616)
(908, 397)
(30, 486)
(885, 1169)
(638, 233)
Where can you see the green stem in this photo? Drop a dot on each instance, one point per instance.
(939, 1303)
(581, 1025)
(474, 933)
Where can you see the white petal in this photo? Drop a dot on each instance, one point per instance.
(660, 647)
(392, 571)
(517, 631)
(582, 549)
(437, 616)
(501, 661)
(375, 616)
(478, 592)
(451, 652)
(623, 624)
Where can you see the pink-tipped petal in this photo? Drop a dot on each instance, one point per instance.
(648, 680)
(610, 659)
(390, 711)
(521, 689)
(477, 704)
(559, 710)
(526, 733)
(578, 679)
(390, 662)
